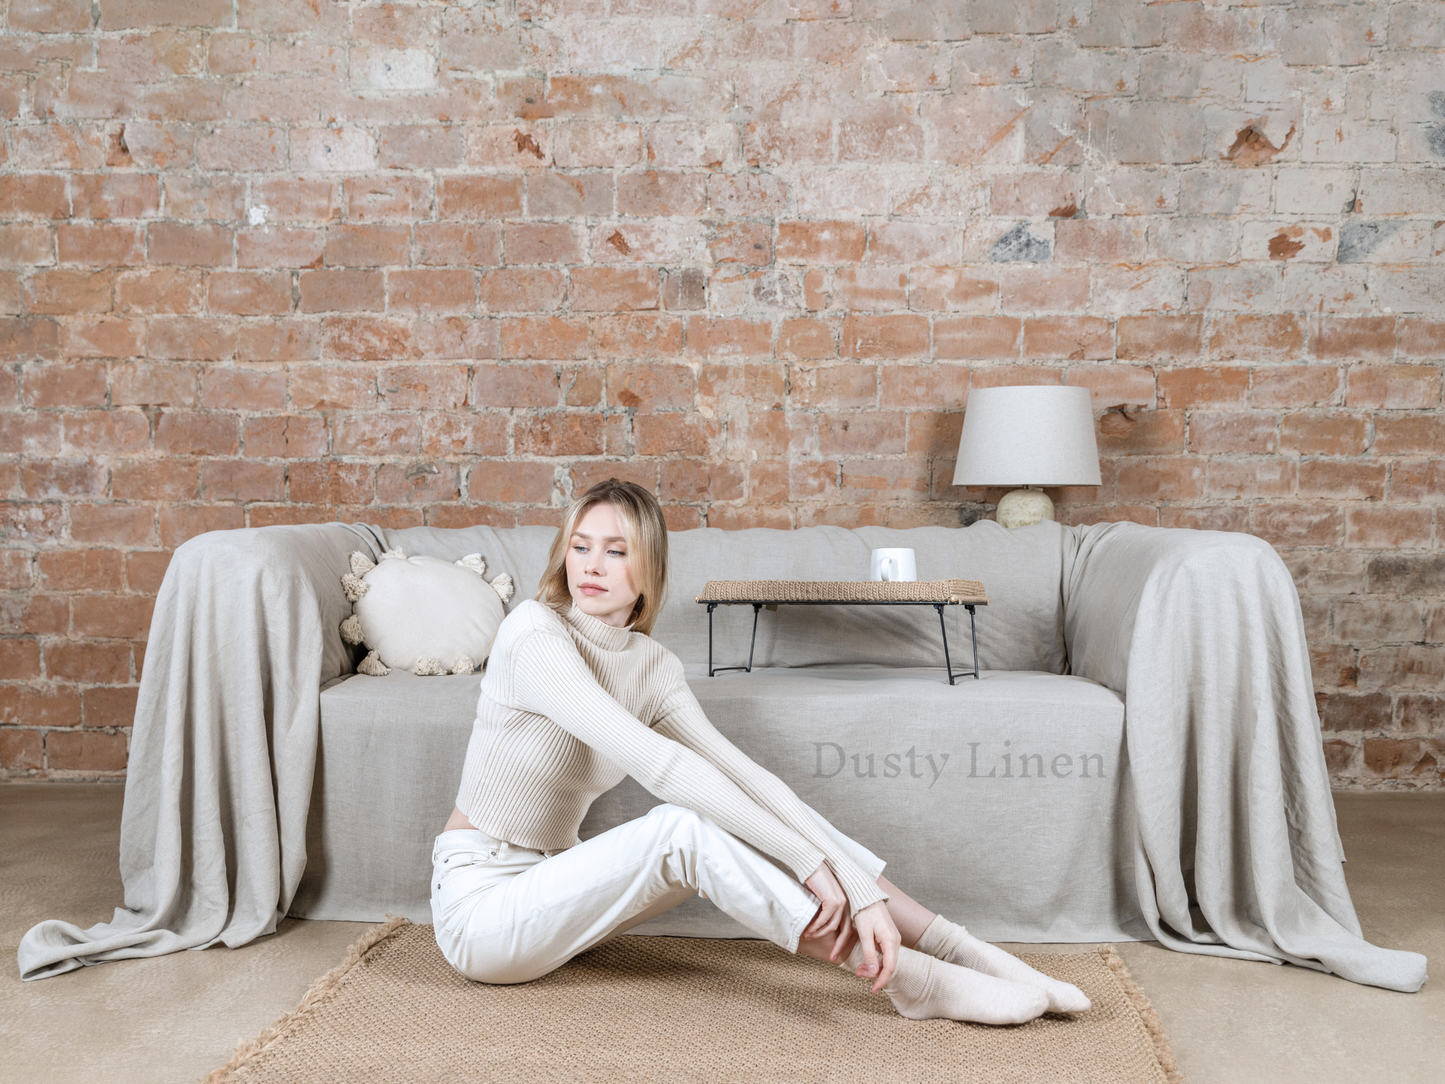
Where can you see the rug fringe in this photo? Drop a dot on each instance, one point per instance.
(321, 991)
(1152, 1024)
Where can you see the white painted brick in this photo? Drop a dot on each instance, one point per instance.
(1314, 191)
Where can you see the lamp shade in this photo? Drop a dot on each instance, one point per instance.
(1028, 436)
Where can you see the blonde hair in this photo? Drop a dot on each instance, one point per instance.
(646, 533)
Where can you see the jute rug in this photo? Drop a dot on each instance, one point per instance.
(643, 1009)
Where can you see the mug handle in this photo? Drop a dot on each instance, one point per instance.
(884, 567)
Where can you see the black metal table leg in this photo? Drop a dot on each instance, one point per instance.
(973, 635)
(943, 625)
(713, 671)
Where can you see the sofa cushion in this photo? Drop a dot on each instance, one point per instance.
(1006, 815)
(1020, 629)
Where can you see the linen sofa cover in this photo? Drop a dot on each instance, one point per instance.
(1200, 632)
(1008, 810)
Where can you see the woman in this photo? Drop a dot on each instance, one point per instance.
(577, 695)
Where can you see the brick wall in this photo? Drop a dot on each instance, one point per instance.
(279, 261)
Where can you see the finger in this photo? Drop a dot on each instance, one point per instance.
(841, 944)
(870, 957)
(890, 965)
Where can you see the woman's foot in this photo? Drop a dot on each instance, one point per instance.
(949, 941)
(923, 988)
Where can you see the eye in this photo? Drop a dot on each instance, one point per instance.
(617, 553)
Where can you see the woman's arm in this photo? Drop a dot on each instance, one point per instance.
(682, 718)
(548, 677)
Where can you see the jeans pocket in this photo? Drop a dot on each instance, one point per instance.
(457, 878)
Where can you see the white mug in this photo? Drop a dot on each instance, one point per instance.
(894, 564)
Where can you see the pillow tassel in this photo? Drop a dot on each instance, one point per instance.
(372, 666)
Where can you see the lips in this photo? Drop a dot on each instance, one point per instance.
(591, 589)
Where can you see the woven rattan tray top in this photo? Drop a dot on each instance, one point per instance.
(952, 592)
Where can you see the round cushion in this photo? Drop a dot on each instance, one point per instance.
(425, 607)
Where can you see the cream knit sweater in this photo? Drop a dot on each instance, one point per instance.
(570, 705)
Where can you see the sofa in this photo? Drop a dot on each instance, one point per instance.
(1140, 756)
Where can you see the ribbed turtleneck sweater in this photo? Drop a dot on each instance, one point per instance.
(570, 705)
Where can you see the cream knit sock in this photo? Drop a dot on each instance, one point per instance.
(949, 941)
(923, 988)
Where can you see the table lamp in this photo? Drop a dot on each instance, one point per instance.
(1029, 437)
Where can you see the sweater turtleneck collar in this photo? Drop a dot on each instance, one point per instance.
(608, 637)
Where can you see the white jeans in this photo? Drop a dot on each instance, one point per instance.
(504, 914)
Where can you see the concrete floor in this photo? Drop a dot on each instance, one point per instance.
(177, 1017)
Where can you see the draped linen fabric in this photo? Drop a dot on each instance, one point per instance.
(1235, 847)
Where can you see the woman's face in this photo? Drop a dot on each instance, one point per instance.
(599, 572)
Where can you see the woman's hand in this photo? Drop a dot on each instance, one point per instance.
(832, 916)
(880, 940)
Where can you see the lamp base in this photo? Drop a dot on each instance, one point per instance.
(1024, 507)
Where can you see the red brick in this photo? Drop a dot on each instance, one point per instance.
(51, 17)
(657, 193)
(365, 338)
(951, 289)
(187, 338)
(80, 570)
(879, 433)
(1291, 524)
(28, 337)
(806, 339)
(510, 482)
(1166, 479)
(21, 750)
(48, 478)
(587, 474)
(1098, 240)
(125, 617)
(821, 242)
(696, 480)
(19, 659)
(1405, 758)
(464, 244)
(1409, 436)
(1391, 527)
(196, 433)
(109, 432)
(114, 195)
(1143, 432)
(186, 521)
(834, 386)
(113, 524)
(31, 522)
(420, 146)
(242, 480)
(343, 291)
(110, 706)
(103, 337)
(387, 197)
(431, 291)
(870, 288)
(1418, 480)
(560, 434)
(1256, 338)
(523, 289)
(297, 199)
(1393, 387)
(88, 662)
(1421, 337)
(291, 436)
(1074, 337)
(711, 336)
(423, 387)
(1115, 385)
(479, 197)
(243, 389)
(418, 483)
(545, 337)
(62, 293)
(367, 246)
(514, 386)
(185, 245)
(464, 516)
(650, 387)
(1310, 433)
(884, 480)
(167, 479)
(542, 242)
(637, 335)
(1370, 711)
(1233, 432)
(330, 482)
(1344, 481)
(159, 290)
(960, 337)
(614, 289)
(249, 293)
(1143, 337)
(1216, 386)
(1352, 336)
(1296, 385)
(1207, 518)
(674, 434)
(279, 246)
(100, 245)
(749, 244)
(1412, 666)
(64, 385)
(1251, 478)
(375, 434)
(85, 750)
(152, 385)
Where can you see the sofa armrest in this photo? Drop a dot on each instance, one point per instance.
(1237, 850)
(223, 750)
